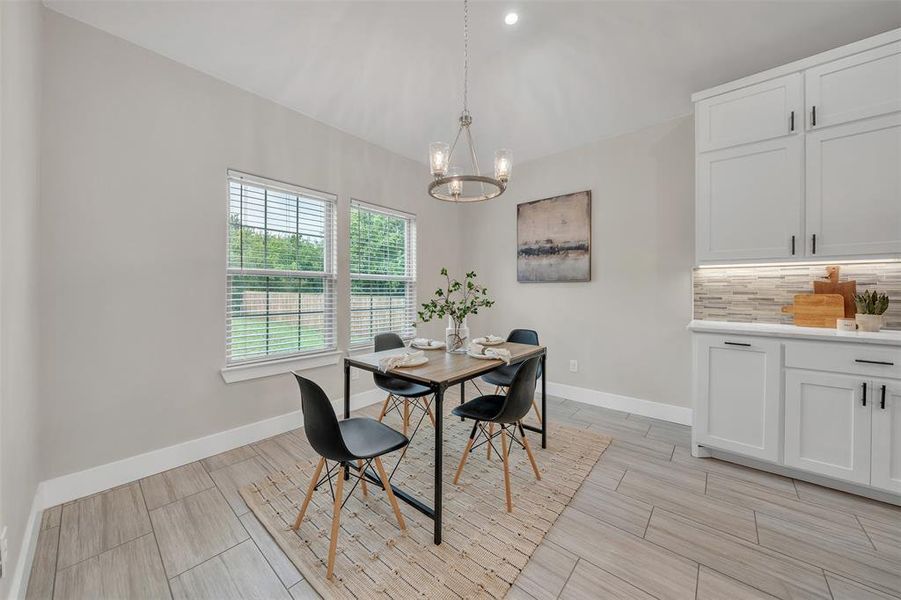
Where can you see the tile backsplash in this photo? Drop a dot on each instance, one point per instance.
(757, 294)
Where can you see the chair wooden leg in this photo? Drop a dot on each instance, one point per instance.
(537, 412)
(472, 438)
(306, 500)
(336, 523)
(490, 435)
(525, 443)
(384, 407)
(363, 478)
(406, 415)
(428, 409)
(384, 477)
(506, 469)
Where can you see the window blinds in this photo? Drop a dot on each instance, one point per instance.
(382, 272)
(281, 270)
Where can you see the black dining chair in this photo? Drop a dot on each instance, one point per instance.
(361, 440)
(501, 377)
(402, 395)
(506, 411)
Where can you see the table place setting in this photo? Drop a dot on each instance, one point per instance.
(408, 358)
(484, 349)
(426, 344)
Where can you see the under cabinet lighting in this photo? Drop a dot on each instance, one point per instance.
(803, 264)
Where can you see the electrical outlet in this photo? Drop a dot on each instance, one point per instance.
(573, 366)
(4, 551)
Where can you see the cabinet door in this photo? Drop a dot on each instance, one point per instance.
(827, 425)
(886, 457)
(864, 85)
(854, 188)
(755, 113)
(750, 201)
(738, 395)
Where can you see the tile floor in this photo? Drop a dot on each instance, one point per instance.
(649, 522)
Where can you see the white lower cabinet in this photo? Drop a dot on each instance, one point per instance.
(739, 395)
(827, 424)
(886, 459)
(821, 406)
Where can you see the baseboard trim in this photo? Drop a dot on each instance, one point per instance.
(103, 477)
(646, 408)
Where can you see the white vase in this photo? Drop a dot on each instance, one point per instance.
(456, 339)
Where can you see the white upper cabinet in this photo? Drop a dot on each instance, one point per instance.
(758, 112)
(749, 201)
(803, 161)
(863, 85)
(854, 188)
(886, 460)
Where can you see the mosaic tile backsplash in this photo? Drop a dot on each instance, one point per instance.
(757, 294)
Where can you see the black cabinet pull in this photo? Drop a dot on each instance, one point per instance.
(813, 117)
(737, 344)
(874, 362)
(882, 403)
(792, 121)
(864, 393)
(814, 243)
(793, 245)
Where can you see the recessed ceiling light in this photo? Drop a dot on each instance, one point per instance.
(511, 18)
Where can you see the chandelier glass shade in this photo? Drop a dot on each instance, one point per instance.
(449, 183)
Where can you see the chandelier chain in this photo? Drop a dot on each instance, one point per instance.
(465, 57)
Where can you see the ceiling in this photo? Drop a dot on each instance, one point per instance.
(566, 74)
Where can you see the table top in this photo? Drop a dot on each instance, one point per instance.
(445, 367)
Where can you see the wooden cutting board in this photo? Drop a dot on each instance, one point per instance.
(816, 310)
(846, 289)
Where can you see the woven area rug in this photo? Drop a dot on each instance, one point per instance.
(484, 548)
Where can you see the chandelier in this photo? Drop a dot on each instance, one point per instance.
(449, 183)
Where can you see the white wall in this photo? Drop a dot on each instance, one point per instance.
(20, 82)
(133, 230)
(626, 328)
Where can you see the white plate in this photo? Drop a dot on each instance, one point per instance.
(436, 346)
(419, 361)
(482, 356)
(484, 342)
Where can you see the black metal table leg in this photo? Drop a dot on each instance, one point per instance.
(439, 452)
(544, 400)
(346, 401)
(462, 395)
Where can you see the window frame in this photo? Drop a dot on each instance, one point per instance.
(411, 249)
(281, 362)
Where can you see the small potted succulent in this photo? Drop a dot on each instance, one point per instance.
(456, 302)
(870, 308)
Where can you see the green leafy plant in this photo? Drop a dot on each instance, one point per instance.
(871, 303)
(456, 300)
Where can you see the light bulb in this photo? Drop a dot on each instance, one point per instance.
(438, 157)
(454, 186)
(503, 164)
(511, 18)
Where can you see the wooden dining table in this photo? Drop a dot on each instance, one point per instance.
(442, 371)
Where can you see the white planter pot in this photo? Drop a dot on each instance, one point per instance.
(870, 323)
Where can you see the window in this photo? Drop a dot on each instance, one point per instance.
(382, 272)
(281, 270)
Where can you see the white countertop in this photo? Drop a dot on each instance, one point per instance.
(885, 337)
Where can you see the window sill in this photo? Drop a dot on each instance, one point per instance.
(269, 368)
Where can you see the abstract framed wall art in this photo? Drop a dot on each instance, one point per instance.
(553, 239)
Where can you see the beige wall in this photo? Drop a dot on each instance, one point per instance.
(133, 226)
(20, 73)
(626, 328)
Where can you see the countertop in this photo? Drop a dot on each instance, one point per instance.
(885, 337)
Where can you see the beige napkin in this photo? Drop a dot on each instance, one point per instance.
(498, 353)
(491, 339)
(400, 360)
